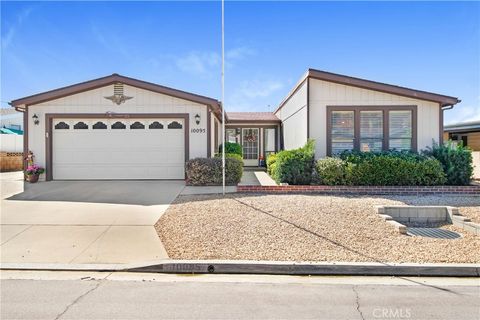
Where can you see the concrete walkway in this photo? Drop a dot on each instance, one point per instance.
(256, 177)
(83, 221)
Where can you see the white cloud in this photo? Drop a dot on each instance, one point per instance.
(462, 113)
(208, 62)
(10, 34)
(259, 88)
(199, 63)
(239, 53)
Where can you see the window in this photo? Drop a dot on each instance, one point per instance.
(137, 125)
(155, 125)
(343, 131)
(371, 128)
(269, 134)
(231, 135)
(400, 129)
(119, 125)
(371, 131)
(174, 125)
(62, 126)
(99, 125)
(80, 125)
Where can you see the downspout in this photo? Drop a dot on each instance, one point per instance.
(442, 109)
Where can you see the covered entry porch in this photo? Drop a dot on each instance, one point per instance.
(257, 133)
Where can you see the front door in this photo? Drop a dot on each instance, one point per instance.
(250, 144)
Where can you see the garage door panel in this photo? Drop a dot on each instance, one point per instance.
(118, 153)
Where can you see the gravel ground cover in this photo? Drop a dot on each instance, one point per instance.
(307, 228)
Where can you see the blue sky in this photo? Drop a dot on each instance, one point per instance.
(433, 46)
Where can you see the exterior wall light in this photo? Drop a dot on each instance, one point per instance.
(35, 119)
(197, 118)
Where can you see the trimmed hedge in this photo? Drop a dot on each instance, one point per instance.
(231, 147)
(230, 155)
(331, 172)
(295, 166)
(208, 171)
(391, 168)
(456, 162)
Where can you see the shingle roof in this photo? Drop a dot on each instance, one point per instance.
(252, 116)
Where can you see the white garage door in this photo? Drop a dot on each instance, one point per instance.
(85, 149)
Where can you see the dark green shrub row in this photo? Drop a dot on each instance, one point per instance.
(231, 147)
(208, 171)
(456, 162)
(381, 169)
(294, 166)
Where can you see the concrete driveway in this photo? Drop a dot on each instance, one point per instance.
(82, 222)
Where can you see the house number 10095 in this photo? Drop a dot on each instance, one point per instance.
(197, 130)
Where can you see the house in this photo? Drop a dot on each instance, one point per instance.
(347, 113)
(467, 132)
(117, 127)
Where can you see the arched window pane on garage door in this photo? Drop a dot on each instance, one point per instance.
(174, 125)
(80, 125)
(62, 126)
(99, 125)
(119, 125)
(137, 125)
(155, 125)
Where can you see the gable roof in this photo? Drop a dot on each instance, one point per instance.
(252, 117)
(215, 105)
(443, 100)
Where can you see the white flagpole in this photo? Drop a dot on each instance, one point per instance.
(223, 99)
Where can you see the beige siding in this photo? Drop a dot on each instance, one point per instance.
(294, 118)
(93, 101)
(323, 94)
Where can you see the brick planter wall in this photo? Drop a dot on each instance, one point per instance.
(378, 190)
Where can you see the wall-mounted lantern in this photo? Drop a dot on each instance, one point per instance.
(197, 118)
(35, 119)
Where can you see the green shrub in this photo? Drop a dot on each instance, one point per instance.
(357, 156)
(331, 171)
(208, 171)
(295, 166)
(271, 159)
(231, 147)
(456, 162)
(230, 155)
(389, 169)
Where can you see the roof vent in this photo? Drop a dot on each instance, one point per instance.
(118, 96)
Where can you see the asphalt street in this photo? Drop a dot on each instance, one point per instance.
(82, 295)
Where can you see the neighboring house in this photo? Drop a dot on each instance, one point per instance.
(467, 132)
(11, 130)
(122, 128)
(11, 119)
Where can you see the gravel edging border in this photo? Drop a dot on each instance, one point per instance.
(267, 268)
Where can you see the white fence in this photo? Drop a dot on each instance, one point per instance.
(11, 143)
(476, 164)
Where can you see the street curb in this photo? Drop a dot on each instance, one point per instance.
(267, 267)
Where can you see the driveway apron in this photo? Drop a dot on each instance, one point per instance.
(97, 222)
